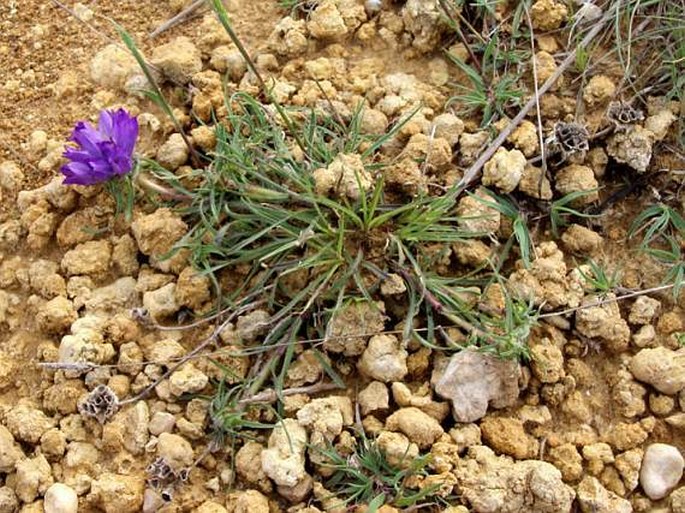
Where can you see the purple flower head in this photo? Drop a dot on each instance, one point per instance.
(102, 153)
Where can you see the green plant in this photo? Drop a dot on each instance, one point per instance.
(502, 333)
(290, 208)
(597, 278)
(493, 87)
(257, 214)
(647, 39)
(657, 222)
(680, 338)
(560, 210)
(662, 231)
(494, 63)
(582, 59)
(671, 256)
(511, 330)
(519, 227)
(293, 6)
(487, 6)
(653, 28)
(124, 193)
(229, 420)
(155, 93)
(367, 477)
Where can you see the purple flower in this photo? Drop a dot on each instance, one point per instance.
(102, 153)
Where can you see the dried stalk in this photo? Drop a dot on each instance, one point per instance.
(271, 396)
(177, 19)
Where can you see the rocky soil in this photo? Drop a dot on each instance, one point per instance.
(593, 422)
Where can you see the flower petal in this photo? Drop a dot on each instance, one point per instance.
(106, 123)
(77, 155)
(124, 131)
(77, 173)
(86, 137)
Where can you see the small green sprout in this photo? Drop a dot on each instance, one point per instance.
(598, 280)
(367, 477)
(657, 222)
(560, 210)
(519, 227)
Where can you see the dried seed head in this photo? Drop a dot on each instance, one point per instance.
(160, 473)
(101, 403)
(571, 137)
(162, 476)
(183, 475)
(622, 114)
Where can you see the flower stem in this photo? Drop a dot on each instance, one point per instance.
(146, 183)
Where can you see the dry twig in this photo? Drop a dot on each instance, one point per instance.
(178, 18)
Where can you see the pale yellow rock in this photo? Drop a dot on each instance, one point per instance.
(397, 448)
(577, 178)
(173, 153)
(504, 170)
(284, 459)
(178, 60)
(33, 478)
(476, 216)
(327, 416)
(507, 436)
(60, 498)
(384, 359)
(660, 367)
(175, 450)
(156, 233)
(419, 427)
(548, 14)
(90, 258)
(598, 91)
(326, 22)
(119, 493)
(187, 380)
(112, 66)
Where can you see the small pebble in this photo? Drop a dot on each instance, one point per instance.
(662, 468)
(60, 498)
(162, 422)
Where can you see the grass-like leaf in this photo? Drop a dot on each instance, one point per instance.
(561, 209)
(520, 230)
(598, 280)
(655, 222)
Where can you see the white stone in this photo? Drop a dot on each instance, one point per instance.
(384, 359)
(161, 303)
(473, 380)
(161, 422)
(111, 66)
(662, 468)
(284, 460)
(504, 170)
(60, 498)
(187, 380)
(175, 450)
(11, 176)
(173, 153)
